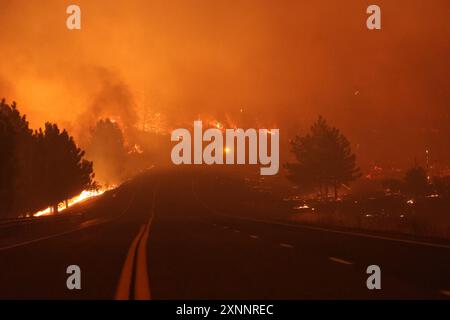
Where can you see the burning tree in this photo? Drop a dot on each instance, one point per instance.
(324, 159)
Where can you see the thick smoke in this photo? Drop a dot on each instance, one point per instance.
(114, 101)
(284, 63)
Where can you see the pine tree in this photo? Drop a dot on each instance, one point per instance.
(65, 171)
(38, 169)
(324, 159)
(15, 141)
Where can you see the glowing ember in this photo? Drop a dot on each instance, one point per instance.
(136, 149)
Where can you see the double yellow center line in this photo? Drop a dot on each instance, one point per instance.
(134, 282)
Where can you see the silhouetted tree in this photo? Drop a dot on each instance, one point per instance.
(15, 142)
(324, 159)
(65, 172)
(416, 182)
(39, 169)
(302, 177)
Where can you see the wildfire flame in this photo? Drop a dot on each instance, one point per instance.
(136, 149)
(83, 196)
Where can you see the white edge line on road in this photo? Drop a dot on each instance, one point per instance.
(365, 235)
(351, 233)
(357, 234)
(341, 261)
(286, 245)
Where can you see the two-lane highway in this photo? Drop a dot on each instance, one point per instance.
(37, 269)
(165, 240)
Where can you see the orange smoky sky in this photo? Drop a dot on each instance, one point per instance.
(281, 62)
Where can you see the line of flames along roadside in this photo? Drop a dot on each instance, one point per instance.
(83, 196)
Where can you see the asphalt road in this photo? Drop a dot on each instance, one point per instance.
(157, 237)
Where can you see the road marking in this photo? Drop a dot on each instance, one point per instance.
(136, 264)
(91, 222)
(253, 236)
(79, 228)
(123, 289)
(237, 231)
(445, 292)
(286, 245)
(351, 233)
(141, 283)
(341, 261)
